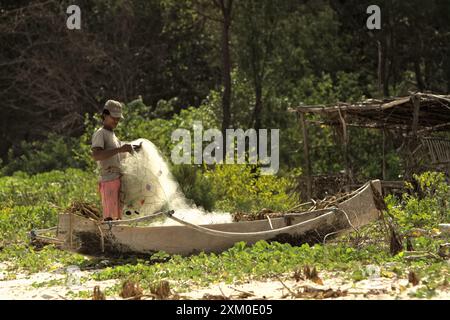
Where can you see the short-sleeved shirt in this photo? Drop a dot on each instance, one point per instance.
(109, 168)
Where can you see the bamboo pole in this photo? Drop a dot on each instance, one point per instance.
(346, 160)
(306, 154)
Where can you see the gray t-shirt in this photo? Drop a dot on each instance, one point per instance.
(107, 140)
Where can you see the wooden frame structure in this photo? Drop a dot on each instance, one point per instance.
(413, 117)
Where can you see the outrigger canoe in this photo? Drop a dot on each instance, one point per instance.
(86, 235)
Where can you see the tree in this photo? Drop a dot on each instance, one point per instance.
(257, 28)
(51, 76)
(225, 7)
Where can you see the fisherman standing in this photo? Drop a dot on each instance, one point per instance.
(107, 151)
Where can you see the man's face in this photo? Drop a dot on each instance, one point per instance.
(111, 121)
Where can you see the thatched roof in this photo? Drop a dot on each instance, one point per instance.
(433, 112)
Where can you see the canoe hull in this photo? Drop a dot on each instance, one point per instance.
(87, 236)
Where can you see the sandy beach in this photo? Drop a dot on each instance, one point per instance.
(54, 286)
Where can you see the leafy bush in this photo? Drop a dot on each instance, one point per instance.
(195, 185)
(242, 188)
(16, 222)
(29, 202)
(54, 153)
(26, 258)
(240, 262)
(424, 207)
(55, 187)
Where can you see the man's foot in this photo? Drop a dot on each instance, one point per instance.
(108, 219)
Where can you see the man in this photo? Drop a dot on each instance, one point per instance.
(107, 151)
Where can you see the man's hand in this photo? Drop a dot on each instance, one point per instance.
(126, 148)
(137, 147)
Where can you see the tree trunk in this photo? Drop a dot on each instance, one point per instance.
(383, 83)
(419, 78)
(258, 106)
(226, 63)
(306, 155)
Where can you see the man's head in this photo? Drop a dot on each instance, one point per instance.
(112, 113)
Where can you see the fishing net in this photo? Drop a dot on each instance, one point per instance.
(141, 190)
(147, 186)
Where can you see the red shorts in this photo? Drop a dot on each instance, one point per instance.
(109, 191)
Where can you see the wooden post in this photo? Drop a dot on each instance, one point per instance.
(346, 160)
(306, 154)
(384, 155)
(416, 103)
(71, 230)
(380, 69)
(410, 162)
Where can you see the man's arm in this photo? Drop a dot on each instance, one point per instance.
(99, 154)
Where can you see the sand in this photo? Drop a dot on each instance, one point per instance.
(32, 287)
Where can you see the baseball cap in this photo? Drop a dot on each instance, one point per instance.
(114, 108)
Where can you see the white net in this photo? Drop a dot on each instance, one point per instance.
(141, 192)
(147, 186)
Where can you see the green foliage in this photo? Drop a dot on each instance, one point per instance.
(195, 185)
(29, 202)
(27, 259)
(54, 153)
(366, 155)
(427, 210)
(16, 222)
(265, 260)
(243, 188)
(326, 88)
(54, 187)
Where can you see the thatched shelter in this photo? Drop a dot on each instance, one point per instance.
(416, 119)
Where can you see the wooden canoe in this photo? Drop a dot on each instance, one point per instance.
(88, 236)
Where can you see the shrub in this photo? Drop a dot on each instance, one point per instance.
(242, 188)
(424, 206)
(54, 153)
(29, 202)
(195, 185)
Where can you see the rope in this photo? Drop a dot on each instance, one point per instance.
(270, 222)
(54, 240)
(335, 232)
(245, 234)
(130, 221)
(349, 222)
(38, 231)
(329, 234)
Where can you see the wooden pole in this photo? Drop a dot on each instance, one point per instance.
(410, 161)
(306, 155)
(384, 155)
(416, 103)
(380, 69)
(346, 160)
